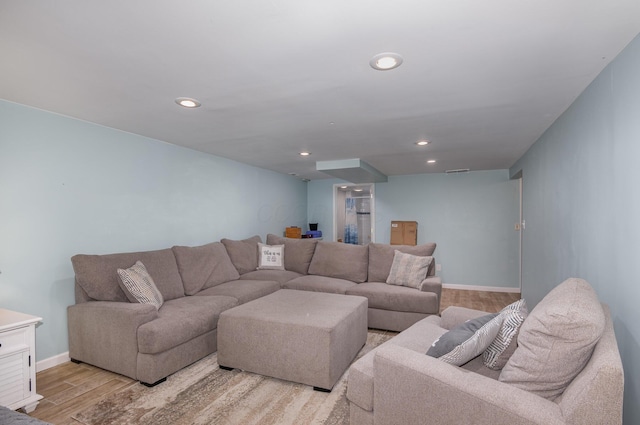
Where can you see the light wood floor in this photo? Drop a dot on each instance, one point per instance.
(69, 387)
(491, 302)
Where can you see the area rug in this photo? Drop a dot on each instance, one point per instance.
(203, 394)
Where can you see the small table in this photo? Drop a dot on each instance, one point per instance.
(299, 336)
(18, 360)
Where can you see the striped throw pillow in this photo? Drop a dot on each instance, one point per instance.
(408, 270)
(498, 352)
(137, 283)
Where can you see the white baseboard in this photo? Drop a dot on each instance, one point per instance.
(481, 288)
(52, 361)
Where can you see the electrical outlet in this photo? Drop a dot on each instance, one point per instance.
(438, 267)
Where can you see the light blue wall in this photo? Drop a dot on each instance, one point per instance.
(70, 187)
(470, 216)
(581, 203)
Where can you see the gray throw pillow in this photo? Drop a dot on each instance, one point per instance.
(467, 340)
(381, 257)
(408, 270)
(138, 285)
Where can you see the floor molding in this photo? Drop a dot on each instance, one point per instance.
(52, 361)
(481, 288)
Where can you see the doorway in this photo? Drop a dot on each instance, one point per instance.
(353, 217)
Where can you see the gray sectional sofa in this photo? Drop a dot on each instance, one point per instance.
(109, 329)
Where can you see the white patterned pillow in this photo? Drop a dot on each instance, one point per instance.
(498, 352)
(138, 284)
(270, 257)
(408, 270)
(467, 340)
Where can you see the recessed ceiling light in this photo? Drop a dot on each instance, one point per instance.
(423, 142)
(343, 187)
(357, 190)
(292, 174)
(187, 102)
(386, 61)
(431, 161)
(305, 153)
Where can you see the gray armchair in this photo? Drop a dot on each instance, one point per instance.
(398, 384)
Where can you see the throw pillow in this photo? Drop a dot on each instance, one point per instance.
(408, 270)
(137, 283)
(556, 340)
(498, 352)
(381, 257)
(467, 340)
(270, 257)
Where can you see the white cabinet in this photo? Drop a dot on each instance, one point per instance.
(18, 360)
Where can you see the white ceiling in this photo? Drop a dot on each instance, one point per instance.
(481, 79)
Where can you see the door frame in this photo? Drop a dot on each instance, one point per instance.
(337, 187)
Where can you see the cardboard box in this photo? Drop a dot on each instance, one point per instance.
(404, 233)
(293, 232)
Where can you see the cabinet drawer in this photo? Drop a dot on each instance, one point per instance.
(14, 340)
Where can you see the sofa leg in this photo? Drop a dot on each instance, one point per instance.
(76, 361)
(225, 367)
(322, 390)
(159, 381)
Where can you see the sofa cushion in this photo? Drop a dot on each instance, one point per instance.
(270, 257)
(556, 340)
(138, 286)
(340, 260)
(503, 346)
(477, 365)
(297, 252)
(396, 298)
(467, 340)
(204, 266)
(381, 257)
(97, 274)
(243, 290)
(408, 270)
(181, 320)
(280, 276)
(244, 253)
(320, 284)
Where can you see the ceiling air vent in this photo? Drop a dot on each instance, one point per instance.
(457, 171)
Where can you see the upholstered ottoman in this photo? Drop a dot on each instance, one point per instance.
(301, 336)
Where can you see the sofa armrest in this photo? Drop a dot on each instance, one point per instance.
(454, 315)
(432, 284)
(105, 333)
(411, 388)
